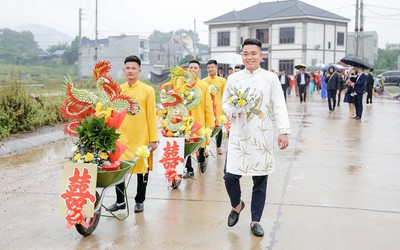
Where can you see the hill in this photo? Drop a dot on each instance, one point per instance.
(45, 36)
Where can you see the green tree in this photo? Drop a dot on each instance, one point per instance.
(60, 46)
(387, 58)
(18, 47)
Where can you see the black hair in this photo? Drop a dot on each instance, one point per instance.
(371, 69)
(133, 58)
(194, 61)
(252, 41)
(238, 67)
(230, 68)
(212, 61)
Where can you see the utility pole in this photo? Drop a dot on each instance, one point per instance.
(194, 40)
(79, 46)
(96, 42)
(361, 37)
(356, 29)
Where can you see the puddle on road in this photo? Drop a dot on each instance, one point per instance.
(50, 152)
(353, 168)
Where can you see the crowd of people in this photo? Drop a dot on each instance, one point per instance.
(333, 85)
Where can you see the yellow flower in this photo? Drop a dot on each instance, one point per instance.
(213, 92)
(77, 156)
(230, 100)
(143, 151)
(103, 156)
(189, 97)
(222, 119)
(89, 157)
(241, 102)
(187, 93)
(183, 127)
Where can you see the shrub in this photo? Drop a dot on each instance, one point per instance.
(21, 112)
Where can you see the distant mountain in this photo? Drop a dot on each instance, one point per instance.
(45, 36)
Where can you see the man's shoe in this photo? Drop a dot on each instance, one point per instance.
(188, 175)
(233, 217)
(257, 230)
(139, 207)
(115, 207)
(357, 118)
(203, 167)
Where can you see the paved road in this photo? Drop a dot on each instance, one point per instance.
(336, 187)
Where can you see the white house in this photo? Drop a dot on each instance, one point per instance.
(292, 32)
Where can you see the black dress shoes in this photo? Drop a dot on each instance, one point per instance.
(139, 207)
(233, 217)
(115, 207)
(203, 167)
(257, 230)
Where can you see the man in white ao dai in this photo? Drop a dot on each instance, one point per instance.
(251, 98)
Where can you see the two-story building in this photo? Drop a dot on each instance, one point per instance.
(291, 32)
(114, 49)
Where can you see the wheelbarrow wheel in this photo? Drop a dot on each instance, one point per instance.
(92, 221)
(175, 183)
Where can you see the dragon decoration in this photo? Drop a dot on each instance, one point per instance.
(179, 97)
(80, 103)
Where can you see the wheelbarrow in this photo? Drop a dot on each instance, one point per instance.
(106, 180)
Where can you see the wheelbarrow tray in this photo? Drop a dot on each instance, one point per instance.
(191, 147)
(108, 178)
(215, 131)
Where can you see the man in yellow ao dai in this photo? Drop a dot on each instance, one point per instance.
(250, 146)
(138, 130)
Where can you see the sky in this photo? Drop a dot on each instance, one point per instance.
(142, 17)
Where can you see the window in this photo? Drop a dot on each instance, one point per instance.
(142, 44)
(287, 65)
(286, 35)
(224, 38)
(340, 39)
(262, 35)
(329, 45)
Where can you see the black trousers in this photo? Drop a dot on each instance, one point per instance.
(331, 98)
(219, 139)
(201, 158)
(339, 97)
(369, 96)
(142, 180)
(258, 196)
(358, 104)
(284, 92)
(302, 92)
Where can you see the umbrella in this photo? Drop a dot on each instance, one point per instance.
(229, 58)
(355, 62)
(336, 66)
(300, 65)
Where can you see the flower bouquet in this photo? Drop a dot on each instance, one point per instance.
(243, 100)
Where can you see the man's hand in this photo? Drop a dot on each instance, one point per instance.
(153, 145)
(283, 141)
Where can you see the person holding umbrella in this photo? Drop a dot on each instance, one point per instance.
(302, 80)
(332, 78)
(359, 85)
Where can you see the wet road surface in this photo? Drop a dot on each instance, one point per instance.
(335, 187)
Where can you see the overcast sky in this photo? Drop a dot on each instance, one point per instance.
(142, 17)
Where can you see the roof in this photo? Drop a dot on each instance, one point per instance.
(276, 10)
